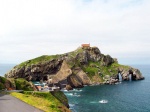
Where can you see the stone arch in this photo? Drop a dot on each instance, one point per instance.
(130, 75)
(133, 74)
(119, 76)
(127, 75)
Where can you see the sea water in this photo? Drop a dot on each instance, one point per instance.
(4, 68)
(128, 96)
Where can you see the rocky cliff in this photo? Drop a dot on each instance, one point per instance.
(83, 66)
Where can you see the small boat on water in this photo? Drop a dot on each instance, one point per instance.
(103, 101)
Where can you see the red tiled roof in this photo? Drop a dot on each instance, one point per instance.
(39, 87)
(85, 45)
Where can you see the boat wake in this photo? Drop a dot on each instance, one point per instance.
(93, 102)
(101, 101)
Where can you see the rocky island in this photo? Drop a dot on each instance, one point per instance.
(84, 66)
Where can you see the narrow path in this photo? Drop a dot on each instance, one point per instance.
(9, 103)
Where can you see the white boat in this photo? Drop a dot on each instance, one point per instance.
(103, 101)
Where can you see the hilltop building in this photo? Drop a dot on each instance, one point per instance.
(85, 45)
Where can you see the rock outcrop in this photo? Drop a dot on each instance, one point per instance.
(16, 84)
(6, 84)
(83, 66)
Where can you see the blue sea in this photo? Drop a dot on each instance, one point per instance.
(127, 96)
(4, 68)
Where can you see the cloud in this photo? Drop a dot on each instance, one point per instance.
(30, 28)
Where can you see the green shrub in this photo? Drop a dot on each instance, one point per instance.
(2, 79)
(2, 86)
(22, 84)
(90, 71)
(2, 82)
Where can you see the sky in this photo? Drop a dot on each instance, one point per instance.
(31, 28)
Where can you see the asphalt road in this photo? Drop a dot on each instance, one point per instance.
(9, 103)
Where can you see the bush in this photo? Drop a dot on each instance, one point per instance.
(2, 79)
(90, 71)
(2, 86)
(22, 84)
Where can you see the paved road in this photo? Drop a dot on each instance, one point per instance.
(9, 103)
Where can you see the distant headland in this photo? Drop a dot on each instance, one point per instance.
(84, 66)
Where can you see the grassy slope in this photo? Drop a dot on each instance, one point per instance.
(93, 68)
(45, 58)
(42, 100)
(37, 60)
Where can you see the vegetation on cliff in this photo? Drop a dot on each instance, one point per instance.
(61, 97)
(42, 100)
(38, 60)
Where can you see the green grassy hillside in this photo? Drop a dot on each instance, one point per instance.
(42, 100)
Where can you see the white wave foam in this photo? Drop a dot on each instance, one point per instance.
(72, 94)
(71, 105)
(65, 90)
(77, 90)
(78, 95)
